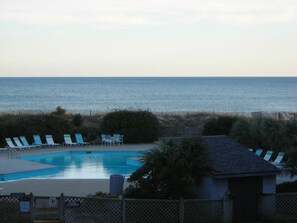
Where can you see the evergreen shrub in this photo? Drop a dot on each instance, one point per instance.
(137, 126)
(219, 126)
(30, 124)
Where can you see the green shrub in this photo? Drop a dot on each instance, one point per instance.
(136, 126)
(77, 120)
(262, 133)
(90, 133)
(219, 126)
(28, 125)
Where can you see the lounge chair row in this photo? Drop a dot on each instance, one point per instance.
(112, 140)
(278, 161)
(22, 143)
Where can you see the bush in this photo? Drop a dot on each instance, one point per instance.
(90, 133)
(220, 126)
(28, 125)
(136, 126)
(262, 133)
(77, 120)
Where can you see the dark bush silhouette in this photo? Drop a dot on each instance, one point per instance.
(77, 120)
(262, 133)
(137, 126)
(219, 126)
(28, 125)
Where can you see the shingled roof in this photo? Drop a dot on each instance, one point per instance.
(230, 159)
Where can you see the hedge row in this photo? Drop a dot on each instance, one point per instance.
(137, 126)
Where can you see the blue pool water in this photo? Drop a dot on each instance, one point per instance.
(85, 165)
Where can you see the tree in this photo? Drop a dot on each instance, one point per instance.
(169, 171)
(59, 111)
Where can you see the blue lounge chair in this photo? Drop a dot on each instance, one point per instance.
(80, 140)
(38, 142)
(68, 141)
(278, 162)
(11, 145)
(25, 142)
(20, 145)
(268, 155)
(50, 141)
(259, 152)
(3, 149)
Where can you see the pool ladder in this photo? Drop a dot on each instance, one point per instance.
(13, 154)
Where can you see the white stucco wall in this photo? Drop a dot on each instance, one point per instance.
(269, 184)
(212, 188)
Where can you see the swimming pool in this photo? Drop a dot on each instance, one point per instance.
(85, 165)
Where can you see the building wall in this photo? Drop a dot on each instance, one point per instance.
(269, 184)
(211, 188)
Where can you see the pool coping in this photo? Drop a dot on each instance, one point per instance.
(11, 169)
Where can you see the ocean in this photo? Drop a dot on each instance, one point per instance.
(85, 95)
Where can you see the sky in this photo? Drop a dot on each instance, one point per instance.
(148, 38)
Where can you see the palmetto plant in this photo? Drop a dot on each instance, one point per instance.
(169, 171)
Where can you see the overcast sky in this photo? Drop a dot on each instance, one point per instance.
(148, 38)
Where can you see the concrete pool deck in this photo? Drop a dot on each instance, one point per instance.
(69, 187)
(12, 166)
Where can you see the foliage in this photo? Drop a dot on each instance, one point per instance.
(28, 125)
(287, 187)
(220, 126)
(292, 131)
(89, 132)
(241, 132)
(59, 111)
(169, 171)
(136, 126)
(101, 195)
(77, 120)
(264, 133)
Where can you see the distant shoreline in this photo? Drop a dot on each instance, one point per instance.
(275, 115)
